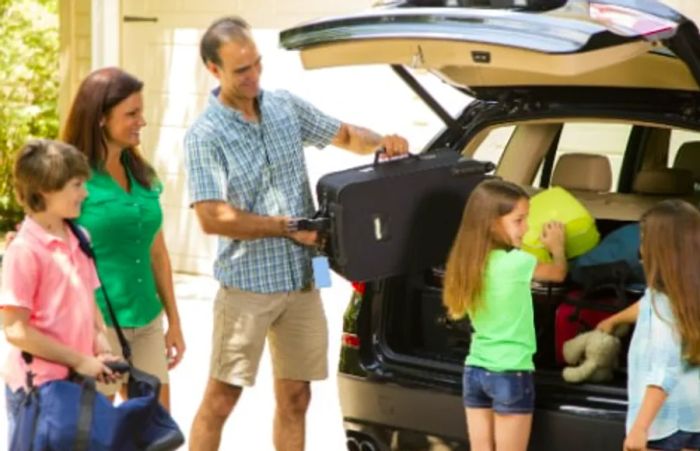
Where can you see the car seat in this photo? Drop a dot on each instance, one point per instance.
(688, 157)
(583, 172)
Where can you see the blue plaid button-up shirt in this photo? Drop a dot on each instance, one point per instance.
(654, 358)
(258, 167)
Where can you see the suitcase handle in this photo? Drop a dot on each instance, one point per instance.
(382, 151)
(317, 224)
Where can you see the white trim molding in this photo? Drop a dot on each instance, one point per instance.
(105, 33)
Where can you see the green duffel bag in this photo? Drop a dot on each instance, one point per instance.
(557, 204)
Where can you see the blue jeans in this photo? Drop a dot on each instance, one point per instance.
(676, 441)
(504, 392)
(12, 402)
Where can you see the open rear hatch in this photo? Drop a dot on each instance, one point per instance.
(607, 43)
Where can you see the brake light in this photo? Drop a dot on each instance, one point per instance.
(350, 340)
(629, 22)
(358, 287)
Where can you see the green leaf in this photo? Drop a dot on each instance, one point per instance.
(28, 86)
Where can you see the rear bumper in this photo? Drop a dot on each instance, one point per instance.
(395, 407)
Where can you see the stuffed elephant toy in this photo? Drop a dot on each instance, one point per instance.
(592, 357)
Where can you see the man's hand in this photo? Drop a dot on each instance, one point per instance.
(394, 145)
(305, 237)
(364, 141)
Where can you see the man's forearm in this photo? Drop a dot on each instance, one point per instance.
(357, 139)
(236, 224)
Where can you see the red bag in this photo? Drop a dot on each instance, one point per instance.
(571, 320)
(582, 310)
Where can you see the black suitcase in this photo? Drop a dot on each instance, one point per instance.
(395, 217)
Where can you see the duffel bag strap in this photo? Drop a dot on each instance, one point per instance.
(87, 401)
(87, 250)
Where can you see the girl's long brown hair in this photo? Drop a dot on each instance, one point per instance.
(477, 236)
(671, 259)
(101, 91)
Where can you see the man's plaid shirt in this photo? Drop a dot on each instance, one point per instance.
(260, 168)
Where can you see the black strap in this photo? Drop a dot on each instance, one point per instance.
(87, 249)
(87, 401)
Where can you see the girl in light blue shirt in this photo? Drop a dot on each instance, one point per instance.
(664, 355)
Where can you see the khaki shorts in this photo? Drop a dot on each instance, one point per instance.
(294, 323)
(147, 351)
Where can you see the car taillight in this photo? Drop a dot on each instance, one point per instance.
(350, 340)
(358, 287)
(629, 22)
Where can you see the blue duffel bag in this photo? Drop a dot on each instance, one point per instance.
(615, 261)
(72, 415)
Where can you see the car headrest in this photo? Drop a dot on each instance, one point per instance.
(688, 157)
(664, 181)
(583, 171)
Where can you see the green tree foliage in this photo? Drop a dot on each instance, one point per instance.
(29, 80)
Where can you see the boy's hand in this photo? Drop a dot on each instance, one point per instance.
(552, 236)
(93, 367)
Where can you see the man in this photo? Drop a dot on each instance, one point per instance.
(247, 179)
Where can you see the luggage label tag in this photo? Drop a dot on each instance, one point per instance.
(322, 272)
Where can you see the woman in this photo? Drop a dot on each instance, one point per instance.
(123, 216)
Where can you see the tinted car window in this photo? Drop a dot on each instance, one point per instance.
(495, 143)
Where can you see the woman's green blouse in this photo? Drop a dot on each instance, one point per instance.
(122, 227)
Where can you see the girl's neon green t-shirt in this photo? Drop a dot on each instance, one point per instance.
(504, 329)
(122, 227)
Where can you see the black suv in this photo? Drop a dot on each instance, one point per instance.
(616, 79)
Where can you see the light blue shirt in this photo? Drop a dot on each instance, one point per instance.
(655, 359)
(258, 167)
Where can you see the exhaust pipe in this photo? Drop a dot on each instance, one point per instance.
(352, 444)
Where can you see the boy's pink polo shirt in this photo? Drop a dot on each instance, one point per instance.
(55, 280)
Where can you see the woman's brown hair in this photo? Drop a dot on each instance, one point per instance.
(670, 255)
(477, 236)
(101, 91)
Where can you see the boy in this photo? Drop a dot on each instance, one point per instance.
(47, 291)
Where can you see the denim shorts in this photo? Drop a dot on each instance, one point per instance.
(12, 403)
(676, 441)
(504, 392)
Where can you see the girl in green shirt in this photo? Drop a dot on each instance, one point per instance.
(488, 278)
(122, 213)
